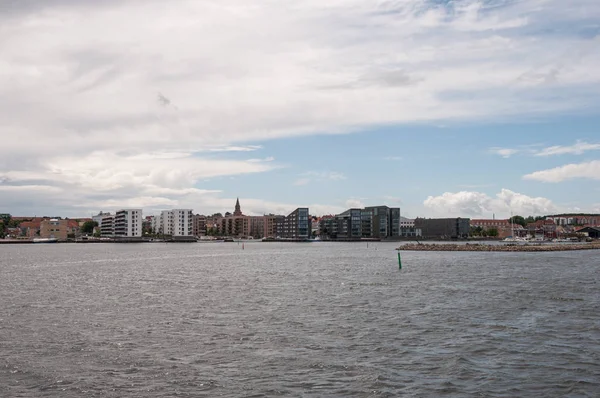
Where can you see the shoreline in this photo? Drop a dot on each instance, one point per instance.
(476, 247)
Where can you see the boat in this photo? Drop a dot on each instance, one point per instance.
(45, 240)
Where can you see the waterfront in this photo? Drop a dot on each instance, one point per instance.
(303, 319)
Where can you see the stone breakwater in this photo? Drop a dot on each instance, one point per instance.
(498, 248)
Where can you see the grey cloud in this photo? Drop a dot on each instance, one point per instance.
(380, 78)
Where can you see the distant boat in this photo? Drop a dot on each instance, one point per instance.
(45, 240)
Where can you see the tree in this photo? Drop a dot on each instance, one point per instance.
(518, 220)
(88, 227)
(493, 232)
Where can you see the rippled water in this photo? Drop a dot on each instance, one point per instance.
(304, 320)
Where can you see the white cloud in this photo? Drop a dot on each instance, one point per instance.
(97, 102)
(302, 181)
(576, 149)
(505, 152)
(478, 204)
(589, 170)
(267, 159)
(318, 176)
(354, 203)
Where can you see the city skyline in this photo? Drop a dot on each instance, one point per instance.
(466, 108)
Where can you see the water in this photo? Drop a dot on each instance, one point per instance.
(298, 320)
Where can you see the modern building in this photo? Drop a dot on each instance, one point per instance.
(443, 227)
(407, 222)
(128, 223)
(107, 228)
(199, 225)
(54, 228)
(296, 225)
(182, 223)
(273, 226)
(98, 217)
(374, 222)
(174, 223)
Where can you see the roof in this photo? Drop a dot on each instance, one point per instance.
(585, 229)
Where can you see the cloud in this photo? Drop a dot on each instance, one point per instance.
(267, 159)
(471, 203)
(393, 158)
(238, 148)
(589, 170)
(90, 109)
(318, 176)
(302, 181)
(576, 149)
(354, 203)
(504, 152)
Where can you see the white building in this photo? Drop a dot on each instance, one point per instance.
(128, 223)
(176, 222)
(99, 217)
(407, 222)
(107, 226)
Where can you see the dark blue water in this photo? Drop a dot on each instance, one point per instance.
(298, 320)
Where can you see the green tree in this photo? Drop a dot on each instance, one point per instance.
(88, 227)
(493, 232)
(518, 220)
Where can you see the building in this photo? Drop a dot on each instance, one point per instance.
(407, 222)
(503, 226)
(98, 217)
(296, 225)
(174, 223)
(199, 225)
(592, 232)
(128, 223)
(374, 222)
(54, 228)
(242, 226)
(273, 226)
(443, 227)
(542, 229)
(591, 220)
(181, 223)
(107, 228)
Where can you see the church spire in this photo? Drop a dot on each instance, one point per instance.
(238, 210)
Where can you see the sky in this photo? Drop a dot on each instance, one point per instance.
(472, 108)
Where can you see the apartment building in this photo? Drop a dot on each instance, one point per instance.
(296, 225)
(199, 225)
(54, 228)
(175, 223)
(373, 222)
(127, 223)
(107, 227)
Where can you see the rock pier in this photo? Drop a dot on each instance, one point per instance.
(476, 247)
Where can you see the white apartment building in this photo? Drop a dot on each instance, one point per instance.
(176, 222)
(107, 226)
(407, 222)
(128, 223)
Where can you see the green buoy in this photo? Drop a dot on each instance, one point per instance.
(399, 261)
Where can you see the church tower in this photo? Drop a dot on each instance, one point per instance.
(238, 210)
